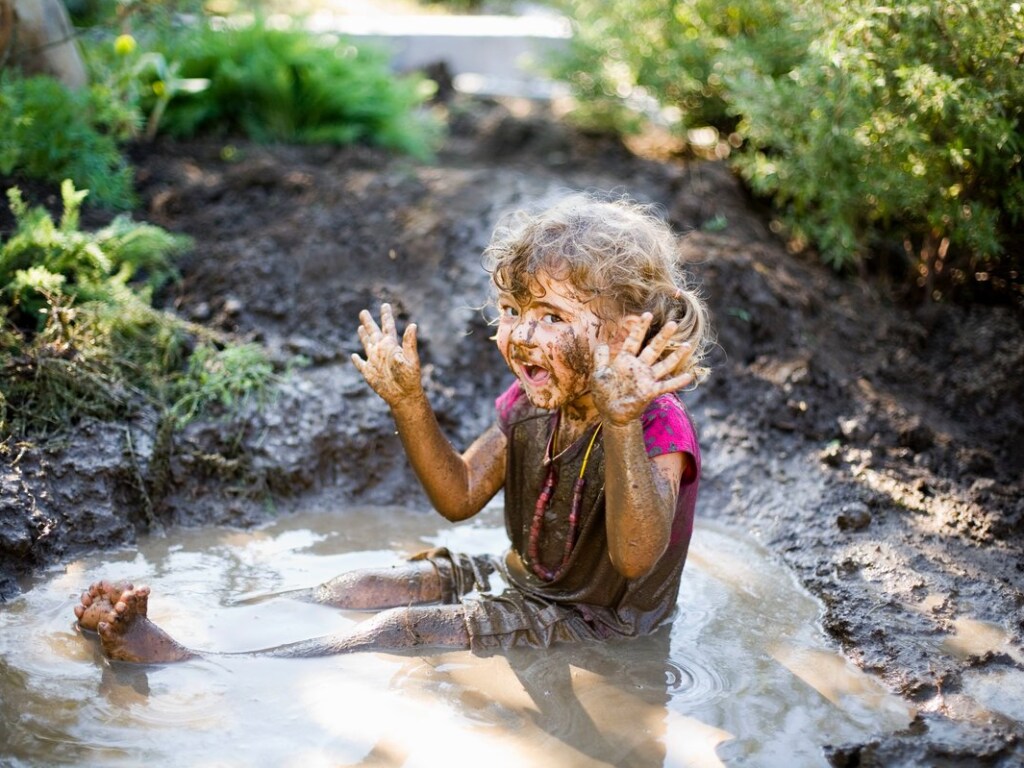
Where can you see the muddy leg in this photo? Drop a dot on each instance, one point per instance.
(97, 602)
(412, 583)
(127, 635)
(368, 589)
(397, 629)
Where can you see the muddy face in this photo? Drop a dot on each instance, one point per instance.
(547, 338)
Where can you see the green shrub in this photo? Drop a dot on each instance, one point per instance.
(903, 123)
(79, 335)
(289, 85)
(875, 129)
(187, 76)
(675, 53)
(50, 133)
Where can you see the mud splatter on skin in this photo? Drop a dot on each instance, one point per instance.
(571, 387)
(531, 331)
(576, 353)
(416, 582)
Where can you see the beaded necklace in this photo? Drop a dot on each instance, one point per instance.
(544, 502)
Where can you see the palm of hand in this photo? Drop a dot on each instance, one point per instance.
(624, 386)
(391, 368)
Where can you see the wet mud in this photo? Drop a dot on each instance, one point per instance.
(871, 444)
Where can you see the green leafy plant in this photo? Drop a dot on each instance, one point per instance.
(269, 84)
(877, 130)
(50, 133)
(290, 85)
(136, 84)
(223, 377)
(901, 125)
(625, 51)
(79, 335)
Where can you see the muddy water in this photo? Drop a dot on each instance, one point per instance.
(743, 676)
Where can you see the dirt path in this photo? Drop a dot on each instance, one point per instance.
(875, 449)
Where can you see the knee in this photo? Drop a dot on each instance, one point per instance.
(433, 626)
(377, 588)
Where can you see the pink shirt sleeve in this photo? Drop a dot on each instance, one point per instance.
(507, 403)
(668, 429)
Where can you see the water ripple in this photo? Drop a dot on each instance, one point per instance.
(688, 680)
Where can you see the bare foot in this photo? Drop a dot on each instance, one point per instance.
(127, 635)
(97, 602)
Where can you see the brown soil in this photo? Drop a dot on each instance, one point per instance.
(874, 447)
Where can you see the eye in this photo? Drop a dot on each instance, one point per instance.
(509, 310)
(551, 318)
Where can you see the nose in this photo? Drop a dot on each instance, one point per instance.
(522, 332)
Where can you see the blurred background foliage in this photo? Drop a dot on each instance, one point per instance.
(886, 138)
(885, 135)
(185, 69)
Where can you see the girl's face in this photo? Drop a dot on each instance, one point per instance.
(548, 340)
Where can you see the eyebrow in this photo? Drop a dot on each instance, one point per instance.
(535, 301)
(539, 302)
(557, 308)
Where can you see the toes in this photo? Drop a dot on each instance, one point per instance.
(107, 601)
(108, 634)
(111, 590)
(139, 599)
(132, 602)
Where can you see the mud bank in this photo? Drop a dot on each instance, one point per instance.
(873, 447)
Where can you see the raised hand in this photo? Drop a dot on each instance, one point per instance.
(623, 387)
(391, 367)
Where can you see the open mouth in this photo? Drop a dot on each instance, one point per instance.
(534, 374)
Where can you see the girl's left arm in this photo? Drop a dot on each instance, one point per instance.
(640, 497)
(640, 491)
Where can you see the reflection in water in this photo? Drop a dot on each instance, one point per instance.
(742, 677)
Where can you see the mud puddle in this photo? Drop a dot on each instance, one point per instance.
(744, 676)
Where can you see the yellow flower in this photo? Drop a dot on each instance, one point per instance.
(159, 88)
(124, 44)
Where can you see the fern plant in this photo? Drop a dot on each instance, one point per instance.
(79, 335)
(51, 133)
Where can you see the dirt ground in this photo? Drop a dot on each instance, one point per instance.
(873, 447)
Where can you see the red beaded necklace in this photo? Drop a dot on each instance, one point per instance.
(544, 502)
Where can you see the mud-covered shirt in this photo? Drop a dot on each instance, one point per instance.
(605, 600)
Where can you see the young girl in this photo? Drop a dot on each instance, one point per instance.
(597, 457)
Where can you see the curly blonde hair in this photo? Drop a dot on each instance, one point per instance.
(618, 254)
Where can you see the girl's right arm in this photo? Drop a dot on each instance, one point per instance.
(458, 485)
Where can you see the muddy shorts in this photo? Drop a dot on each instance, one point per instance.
(500, 616)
